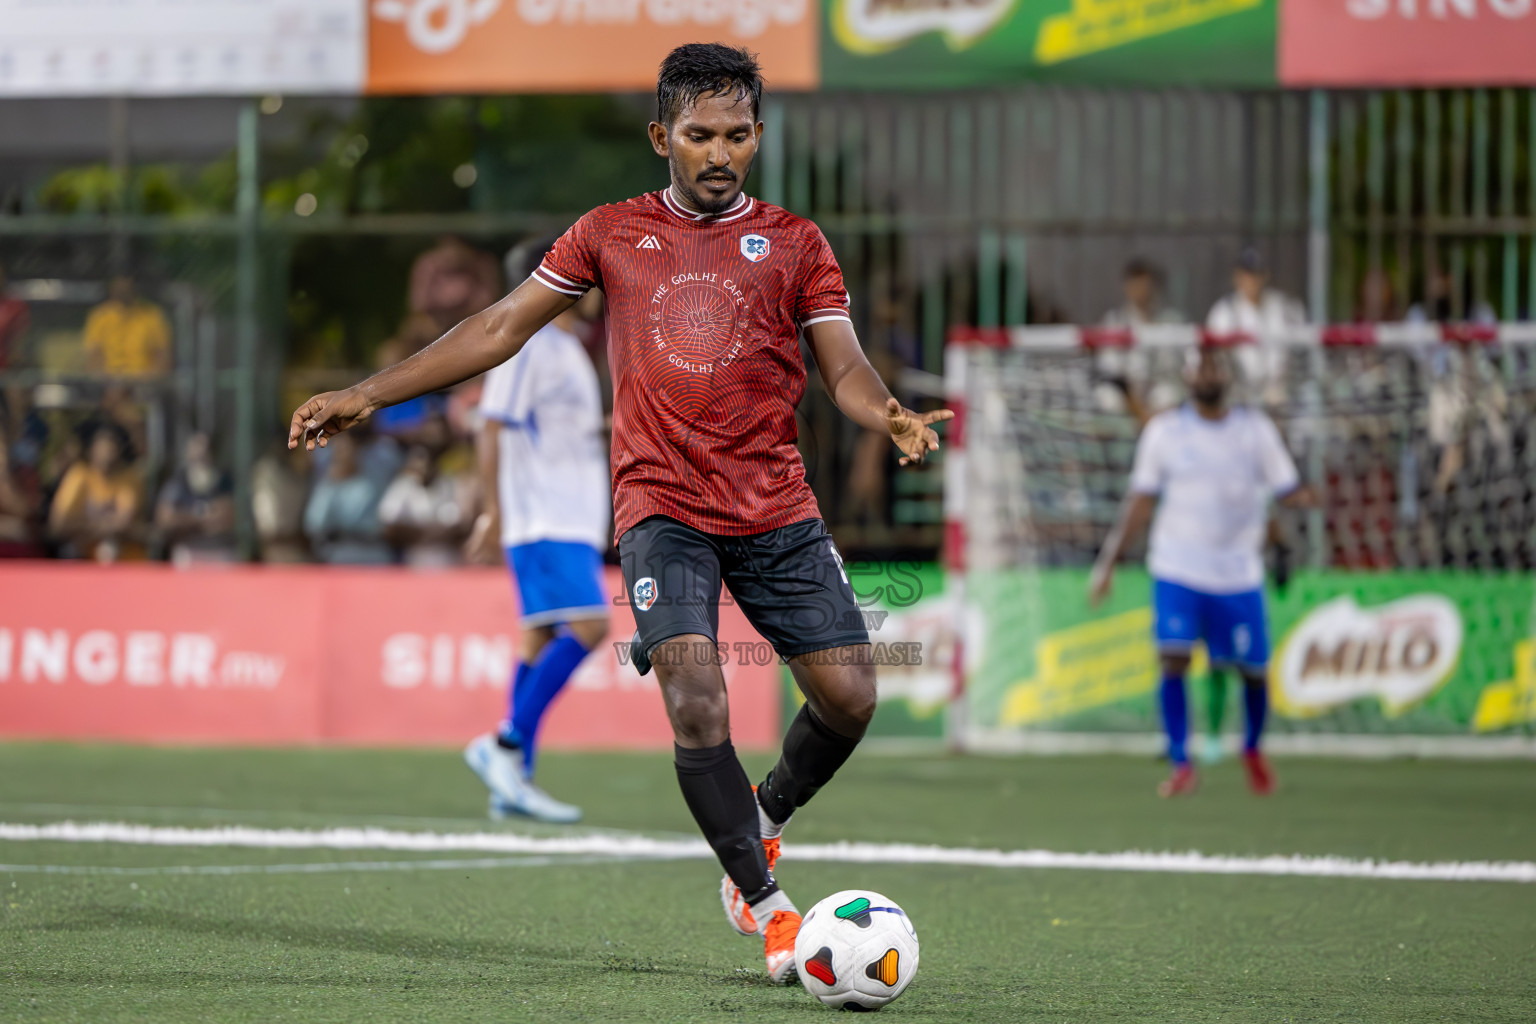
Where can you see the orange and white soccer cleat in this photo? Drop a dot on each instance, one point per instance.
(779, 946)
(736, 910)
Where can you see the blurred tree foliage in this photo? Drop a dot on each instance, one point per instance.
(551, 155)
(554, 155)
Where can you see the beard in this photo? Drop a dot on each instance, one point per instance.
(708, 202)
(1209, 394)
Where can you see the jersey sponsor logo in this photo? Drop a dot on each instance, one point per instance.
(645, 594)
(649, 242)
(754, 247)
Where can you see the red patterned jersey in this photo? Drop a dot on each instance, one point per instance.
(704, 319)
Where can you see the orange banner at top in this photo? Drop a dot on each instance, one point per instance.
(470, 46)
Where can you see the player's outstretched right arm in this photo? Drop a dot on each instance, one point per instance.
(1135, 514)
(487, 339)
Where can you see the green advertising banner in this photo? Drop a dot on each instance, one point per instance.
(1419, 653)
(925, 44)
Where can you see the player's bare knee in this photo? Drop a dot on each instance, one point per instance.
(533, 640)
(843, 697)
(858, 695)
(696, 702)
(589, 632)
(700, 720)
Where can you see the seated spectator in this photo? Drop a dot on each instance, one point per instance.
(130, 414)
(14, 318)
(196, 510)
(1441, 302)
(94, 513)
(1127, 377)
(279, 486)
(1468, 412)
(1376, 302)
(1256, 311)
(426, 514)
(19, 504)
(1141, 285)
(342, 517)
(127, 336)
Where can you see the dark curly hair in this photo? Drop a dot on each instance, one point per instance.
(695, 70)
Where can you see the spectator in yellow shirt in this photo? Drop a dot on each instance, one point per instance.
(95, 510)
(127, 336)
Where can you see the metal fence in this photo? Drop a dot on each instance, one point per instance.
(987, 208)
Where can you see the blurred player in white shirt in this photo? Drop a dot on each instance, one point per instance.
(1210, 472)
(548, 507)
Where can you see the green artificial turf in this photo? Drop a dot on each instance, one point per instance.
(552, 939)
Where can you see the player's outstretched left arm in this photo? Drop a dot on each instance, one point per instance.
(487, 339)
(862, 395)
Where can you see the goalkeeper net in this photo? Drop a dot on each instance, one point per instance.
(1410, 610)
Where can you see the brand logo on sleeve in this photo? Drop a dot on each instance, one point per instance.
(649, 242)
(754, 247)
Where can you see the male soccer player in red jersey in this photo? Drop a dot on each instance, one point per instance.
(708, 291)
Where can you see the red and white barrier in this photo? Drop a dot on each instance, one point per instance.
(1070, 337)
(277, 655)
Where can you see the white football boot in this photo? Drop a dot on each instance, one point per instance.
(512, 792)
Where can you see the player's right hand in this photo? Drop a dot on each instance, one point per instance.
(484, 544)
(326, 415)
(1100, 583)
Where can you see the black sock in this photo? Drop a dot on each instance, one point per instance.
(812, 755)
(717, 792)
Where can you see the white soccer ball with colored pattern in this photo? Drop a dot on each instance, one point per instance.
(857, 950)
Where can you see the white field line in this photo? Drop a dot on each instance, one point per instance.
(273, 818)
(641, 847)
(310, 868)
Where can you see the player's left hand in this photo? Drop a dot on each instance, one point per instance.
(911, 432)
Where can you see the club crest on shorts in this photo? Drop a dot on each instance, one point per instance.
(645, 594)
(754, 247)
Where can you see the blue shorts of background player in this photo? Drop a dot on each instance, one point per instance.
(1232, 625)
(558, 581)
(1236, 636)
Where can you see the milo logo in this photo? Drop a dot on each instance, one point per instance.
(1340, 652)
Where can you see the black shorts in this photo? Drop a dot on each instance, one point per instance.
(789, 583)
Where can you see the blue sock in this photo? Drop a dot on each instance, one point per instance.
(546, 679)
(1256, 704)
(519, 684)
(1175, 717)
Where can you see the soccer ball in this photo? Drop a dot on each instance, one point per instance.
(857, 950)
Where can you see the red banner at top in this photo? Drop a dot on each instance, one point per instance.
(1407, 42)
